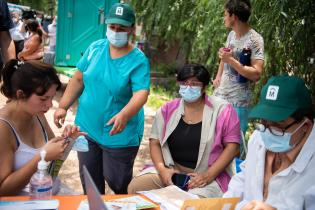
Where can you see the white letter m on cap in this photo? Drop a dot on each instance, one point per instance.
(272, 92)
(119, 11)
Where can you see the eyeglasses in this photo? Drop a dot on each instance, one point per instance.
(191, 83)
(273, 130)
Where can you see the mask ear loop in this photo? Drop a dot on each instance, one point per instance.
(300, 126)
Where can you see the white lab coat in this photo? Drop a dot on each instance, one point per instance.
(287, 190)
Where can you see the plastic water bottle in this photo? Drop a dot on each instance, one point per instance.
(41, 182)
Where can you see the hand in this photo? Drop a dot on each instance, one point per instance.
(72, 131)
(198, 180)
(216, 82)
(55, 148)
(257, 205)
(119, 120)
(20, 57)
(225, 56)
(59, 117)
(166, 175)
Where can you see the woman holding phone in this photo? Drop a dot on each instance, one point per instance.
(194, 137)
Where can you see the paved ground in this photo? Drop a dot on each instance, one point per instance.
(69, 173)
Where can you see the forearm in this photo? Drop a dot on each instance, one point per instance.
(156, 155)
(26, 52)
(229, 153)
(252, 72)
(220, 70)
(15, 182)
(73, 91)
(137, 101)
(7, 46)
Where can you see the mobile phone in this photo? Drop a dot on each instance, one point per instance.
(181, 180)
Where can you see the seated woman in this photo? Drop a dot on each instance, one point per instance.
(278, 172)
(197, 135)
(24, 130)
(33, 48)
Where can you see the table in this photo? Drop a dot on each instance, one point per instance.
(70, 202)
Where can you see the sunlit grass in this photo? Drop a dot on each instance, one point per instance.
(159, 96)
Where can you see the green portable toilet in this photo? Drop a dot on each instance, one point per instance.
(80, 22)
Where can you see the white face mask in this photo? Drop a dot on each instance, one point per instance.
(118, 39)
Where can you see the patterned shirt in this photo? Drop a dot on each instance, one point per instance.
(230, 89)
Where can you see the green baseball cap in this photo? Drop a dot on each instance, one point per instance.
(122, 14)
(280, 97)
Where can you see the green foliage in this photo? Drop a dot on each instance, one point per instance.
(47, 6)
(287, 27)
(165, 69)
(158, 96)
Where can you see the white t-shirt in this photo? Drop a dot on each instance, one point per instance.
(15, 32)
(52, 34)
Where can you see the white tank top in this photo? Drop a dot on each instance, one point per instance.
(24, 153)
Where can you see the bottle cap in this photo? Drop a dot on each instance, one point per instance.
(42, 164)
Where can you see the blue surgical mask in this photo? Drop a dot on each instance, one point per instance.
(278, 143)
(81, 144)
(118, 39)
(190, 93)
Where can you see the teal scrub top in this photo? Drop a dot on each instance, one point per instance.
(108, 87)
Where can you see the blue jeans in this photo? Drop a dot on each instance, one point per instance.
(242, 113)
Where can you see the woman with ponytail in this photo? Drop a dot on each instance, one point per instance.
(24, 130)
(33, 48)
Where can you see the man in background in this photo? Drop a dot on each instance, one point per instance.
(234, 79)
(16, 32)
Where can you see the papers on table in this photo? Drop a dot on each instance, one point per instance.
(127, 203)
(30, 205)
(84, 205)
(140, 202)
(169, 198)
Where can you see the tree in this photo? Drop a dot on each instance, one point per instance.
(42, 5)
(287, 27)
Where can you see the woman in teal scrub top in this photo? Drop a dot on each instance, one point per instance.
(112, 83)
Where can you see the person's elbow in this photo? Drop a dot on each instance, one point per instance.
(142, 96)
(233, 148)
(256, 75)
(258, 66)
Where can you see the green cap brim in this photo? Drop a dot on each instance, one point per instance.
(271, 113)
(118, 21)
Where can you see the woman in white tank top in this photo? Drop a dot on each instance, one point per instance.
(24, 130)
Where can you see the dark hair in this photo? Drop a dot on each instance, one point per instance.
(240, 8)
(33, 26)
(299, 114)
(194, 70)
(29, 76)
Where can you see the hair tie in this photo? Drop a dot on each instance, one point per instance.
(19, 63)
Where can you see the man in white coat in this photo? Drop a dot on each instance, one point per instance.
(278, 172)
